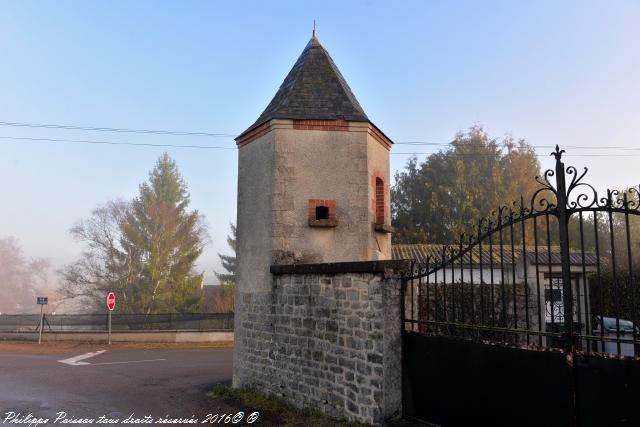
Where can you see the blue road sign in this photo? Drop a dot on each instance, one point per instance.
(43, 300)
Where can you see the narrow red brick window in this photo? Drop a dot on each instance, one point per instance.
(379, 201)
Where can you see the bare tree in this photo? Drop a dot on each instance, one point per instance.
(103, 266)
(221, 299)
(21, 278)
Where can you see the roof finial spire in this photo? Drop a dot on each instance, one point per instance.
(314, 29)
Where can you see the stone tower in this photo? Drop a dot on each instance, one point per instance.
(313, 188)
(313, 176)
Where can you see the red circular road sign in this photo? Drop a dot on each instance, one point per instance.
(111, 301)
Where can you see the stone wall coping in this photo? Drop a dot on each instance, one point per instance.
(342, 267)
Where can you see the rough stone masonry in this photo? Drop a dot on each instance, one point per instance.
(327, 340)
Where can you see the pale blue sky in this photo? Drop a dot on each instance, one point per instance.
(547, 71)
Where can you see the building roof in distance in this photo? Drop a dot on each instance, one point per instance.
(422, 252)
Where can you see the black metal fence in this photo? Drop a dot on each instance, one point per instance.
(561, 271)
(119, 322)
(541, 303)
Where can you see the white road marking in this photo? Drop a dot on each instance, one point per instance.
(75, 361)
(130, 361)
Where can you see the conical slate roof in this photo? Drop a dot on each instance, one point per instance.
(313, 89)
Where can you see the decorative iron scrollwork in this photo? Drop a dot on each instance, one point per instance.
(580, 196)
(582, 200)
(541, 201)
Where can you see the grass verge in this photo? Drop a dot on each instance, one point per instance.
(274, 411)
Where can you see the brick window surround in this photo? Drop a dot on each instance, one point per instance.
(322, 213)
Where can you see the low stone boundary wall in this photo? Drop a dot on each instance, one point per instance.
(124, 336)
(326, 336)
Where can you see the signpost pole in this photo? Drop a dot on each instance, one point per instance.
(109, 327)
(41, 301)
(41, 323)
(111, 305)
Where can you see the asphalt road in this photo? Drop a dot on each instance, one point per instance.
(115, 383)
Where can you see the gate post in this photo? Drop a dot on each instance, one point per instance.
(563, 228)
(567, 290)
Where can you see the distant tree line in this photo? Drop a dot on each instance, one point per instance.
(435, 200)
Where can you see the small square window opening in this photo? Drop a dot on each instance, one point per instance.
(322, 212)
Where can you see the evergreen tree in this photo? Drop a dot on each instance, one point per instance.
(225, 293)
(229, 262)
(145, 250)
(169, 238)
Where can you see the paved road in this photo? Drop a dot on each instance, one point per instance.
(116, 383)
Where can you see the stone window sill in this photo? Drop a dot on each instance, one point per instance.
(323, 223)
(383, 228)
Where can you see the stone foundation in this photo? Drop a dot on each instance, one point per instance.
(322, 339)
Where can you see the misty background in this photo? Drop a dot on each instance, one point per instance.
(551, 73)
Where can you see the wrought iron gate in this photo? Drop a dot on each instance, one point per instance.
(533, 319)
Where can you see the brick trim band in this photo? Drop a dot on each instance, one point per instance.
(254, 134)
(328, 125)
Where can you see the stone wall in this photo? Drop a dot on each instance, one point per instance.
(328, 339)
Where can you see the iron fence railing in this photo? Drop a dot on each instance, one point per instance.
(119, 322)
(559, 271)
